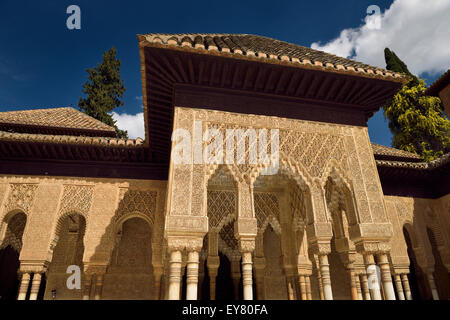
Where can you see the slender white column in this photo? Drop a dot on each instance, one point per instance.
(434, 291)
(35, 286)
(386, 277)
(23, 289)
(406, 287)
(372, 277)
(398, 286)
(192, 275)
(325, 273)
(175, 275)
(365, 287)
(247, 275)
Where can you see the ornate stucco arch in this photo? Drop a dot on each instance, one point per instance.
(344, 189)
(57, 228)
(4, 223)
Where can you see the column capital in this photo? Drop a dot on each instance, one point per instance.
(321, 246)
(367, 247)
(246, 245)
(97, 269)
(179, 243)
(33, 266)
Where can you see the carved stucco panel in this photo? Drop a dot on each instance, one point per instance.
(21, 197)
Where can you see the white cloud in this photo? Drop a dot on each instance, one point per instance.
(133, 123)
(416, 30)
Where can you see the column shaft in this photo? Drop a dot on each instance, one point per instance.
(406, 287)
(98, 286)
(353, 289)
(398, 286)
(433, 288)
(23, 289)
(35, 286)
(358, 287)
(157, 292)
(365, 287)
(192, 275)
(175, 275)
(87, 286)
(372, 277)
(302, 283)
(308, 288)
(247, 275)
(386, 278)
(325, 273)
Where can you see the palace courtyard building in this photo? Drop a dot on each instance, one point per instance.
(155, 218)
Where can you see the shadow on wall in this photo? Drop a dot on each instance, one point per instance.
(10, 247)
(424, 239)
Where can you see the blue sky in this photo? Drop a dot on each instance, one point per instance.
(42, 63)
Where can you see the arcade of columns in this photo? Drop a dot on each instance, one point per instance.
(319, 206)
(314, 230)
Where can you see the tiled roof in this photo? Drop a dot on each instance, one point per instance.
(438, 85)
(387, 152)
(67, 118)
(66, 139)
(268, 49)
(444, 160)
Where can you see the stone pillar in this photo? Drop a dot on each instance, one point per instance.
(308, 288)
(192, 274)
(398, 286)
(98, 286)
(260, 267)
(212, 264)
(433, 288)
(35, 286)
(325, 273)
(406, 287)
(365, 287)
(386, 278)
(87, 286)
(302, 284)
(358, 287)
(23, 289)
(175, 274)
(372, 277)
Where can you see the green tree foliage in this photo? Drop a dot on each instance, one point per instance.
(418, 122)
(104, 88)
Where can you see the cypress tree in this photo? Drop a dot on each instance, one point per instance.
(104, 88)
